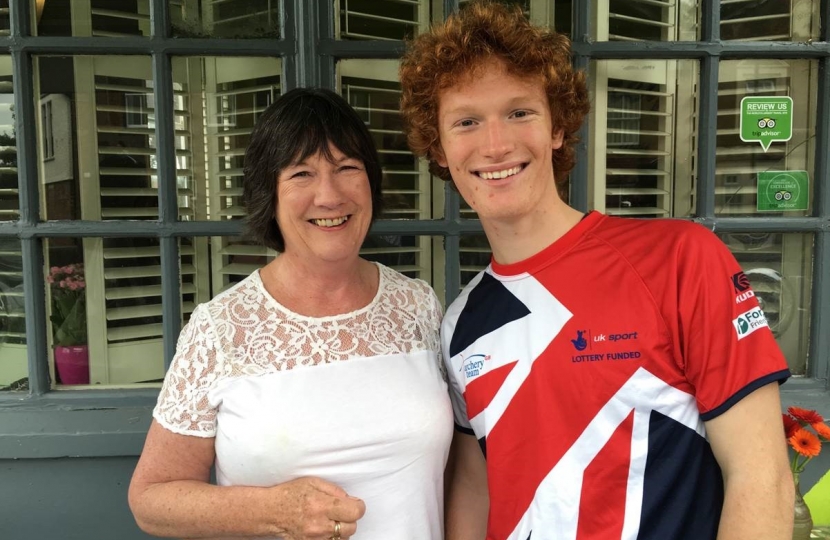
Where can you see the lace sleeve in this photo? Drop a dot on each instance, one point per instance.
(183, 406)
(434, 316)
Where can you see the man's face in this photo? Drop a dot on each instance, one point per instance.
(496, 140)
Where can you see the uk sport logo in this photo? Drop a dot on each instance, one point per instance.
(580, 343)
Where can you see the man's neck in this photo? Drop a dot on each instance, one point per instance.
(521, 238)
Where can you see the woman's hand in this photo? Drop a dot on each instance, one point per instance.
(310, 508)
(170, 496)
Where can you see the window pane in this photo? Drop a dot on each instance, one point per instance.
(409, 255)
(96, 127)
(401, 19)
(5, 24)
(93, 18)
(785, 20)
(642, 143)
(372, 88)
(646, 20)
(232, 259)
(225, 18)
(218, 101)
(9, 201)
(381, 19)
(116, 314)
(474, 256)
(779, 267)
(554, 14)
(748, 178)
(420, 257)
(69, 305)
(13, 363)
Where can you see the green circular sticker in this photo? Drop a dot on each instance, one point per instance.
(783, 187)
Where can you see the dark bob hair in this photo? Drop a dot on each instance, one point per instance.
(297, 125)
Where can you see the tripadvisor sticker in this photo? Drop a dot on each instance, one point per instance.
(766, 119)
(783, 190)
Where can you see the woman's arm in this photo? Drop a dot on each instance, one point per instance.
(170, 496)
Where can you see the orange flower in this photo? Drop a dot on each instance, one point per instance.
(805, 443)
(791, 425)
(808, 416)
(822, 429)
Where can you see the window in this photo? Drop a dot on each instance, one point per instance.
(140, 134)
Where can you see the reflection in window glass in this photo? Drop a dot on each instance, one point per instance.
(236, 19)
(409, 255)
(97, 116)
(113, 285)
(642, 127)
(13, 363)
(779, 268)
(103, 18)
(222, 99)
(9, 202)
(385, 20)
(742, 167)
(474, 256)
(232, 260)
(555, 14)
(5, 23)
(374, 92)
(651, 20)
(785, 20)
(67, 307)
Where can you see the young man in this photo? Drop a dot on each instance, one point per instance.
(611, 378)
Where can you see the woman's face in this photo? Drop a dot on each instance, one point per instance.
(324, 208)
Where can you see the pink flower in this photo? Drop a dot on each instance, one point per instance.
(50, 279)
(55, 270)
(67, 269)
(62, 284)
(73, 286)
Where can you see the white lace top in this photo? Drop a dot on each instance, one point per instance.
(358, 399)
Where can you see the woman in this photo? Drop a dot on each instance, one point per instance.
(314, 384)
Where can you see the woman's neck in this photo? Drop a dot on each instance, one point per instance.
(322, 291)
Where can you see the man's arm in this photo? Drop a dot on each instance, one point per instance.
(748, 442)
(467, 500)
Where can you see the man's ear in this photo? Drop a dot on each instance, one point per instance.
(438, 156)
(557, 139)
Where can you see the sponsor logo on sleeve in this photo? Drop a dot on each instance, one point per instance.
(749, 321)
(740, 282)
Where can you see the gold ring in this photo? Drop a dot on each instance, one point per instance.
(336, 535)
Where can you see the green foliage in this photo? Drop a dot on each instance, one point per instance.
(68, 304)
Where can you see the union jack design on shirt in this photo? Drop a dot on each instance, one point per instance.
(588, 400)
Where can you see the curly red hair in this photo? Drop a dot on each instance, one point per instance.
(452, 52)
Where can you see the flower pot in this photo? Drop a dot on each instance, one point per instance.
(803, 521)
(72, 364)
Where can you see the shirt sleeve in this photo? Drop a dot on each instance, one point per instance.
(436, 315)
(727, 348)
(183, 405)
